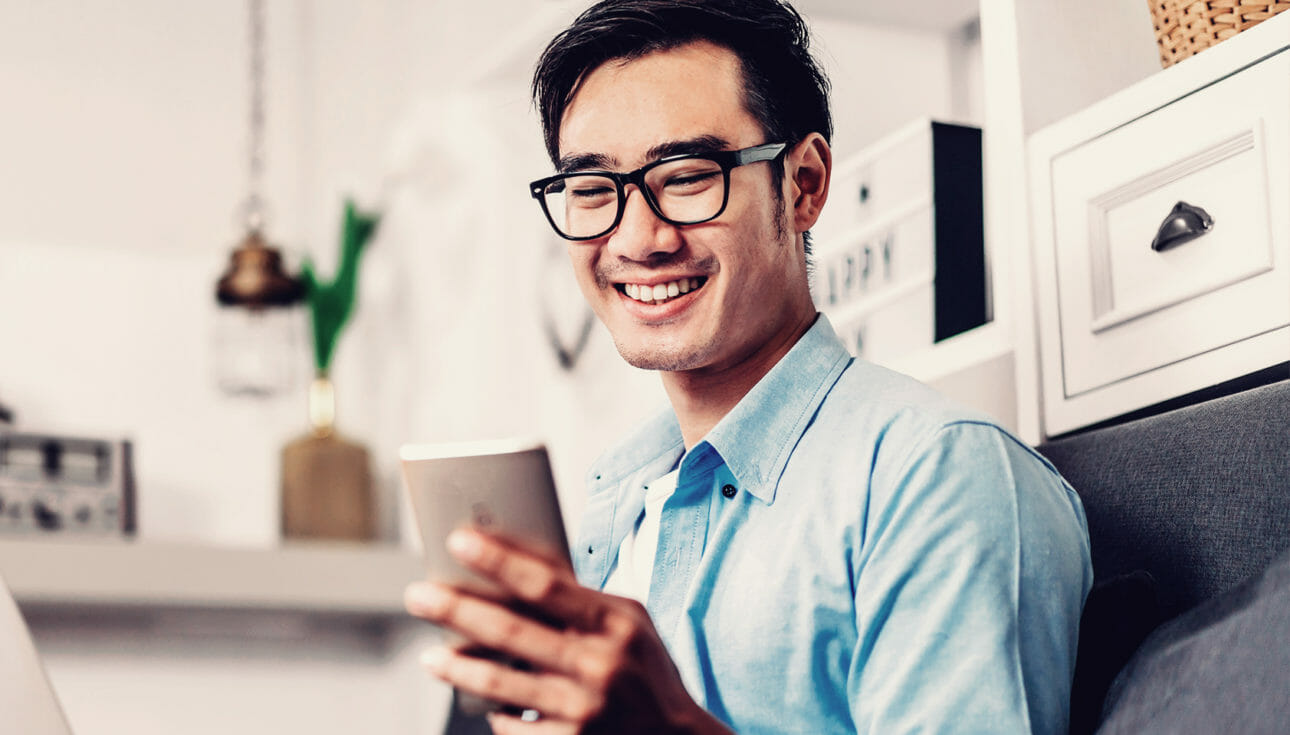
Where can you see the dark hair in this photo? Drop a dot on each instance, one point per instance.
(784, 88)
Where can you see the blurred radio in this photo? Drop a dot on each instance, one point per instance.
(64, 485)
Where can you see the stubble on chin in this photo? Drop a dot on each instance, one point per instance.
(662, 358)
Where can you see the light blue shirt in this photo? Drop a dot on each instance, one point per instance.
(847, 551)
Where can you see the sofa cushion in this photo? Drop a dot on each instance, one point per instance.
(1118, 615)
(1197, 497)
(1222, 667)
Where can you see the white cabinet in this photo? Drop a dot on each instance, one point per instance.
(1128, 317)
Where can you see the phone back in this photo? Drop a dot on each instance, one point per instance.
(504, 488)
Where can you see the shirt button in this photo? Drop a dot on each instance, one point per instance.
(728, 490)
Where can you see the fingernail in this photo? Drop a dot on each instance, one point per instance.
(424, 596)
(465, 544)
(434, 658)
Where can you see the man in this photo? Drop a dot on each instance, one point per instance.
(823, 546)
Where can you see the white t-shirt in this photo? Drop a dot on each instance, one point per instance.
(634, 567)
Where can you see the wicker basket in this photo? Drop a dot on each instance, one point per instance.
(1186, 27)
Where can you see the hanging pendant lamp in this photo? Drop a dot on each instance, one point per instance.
(258, 325)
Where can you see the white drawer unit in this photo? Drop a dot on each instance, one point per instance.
(899, 250)
(1162, 235)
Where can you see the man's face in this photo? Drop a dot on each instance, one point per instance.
(751, 296)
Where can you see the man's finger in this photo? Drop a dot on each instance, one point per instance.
(493, 626)
(553, 695)
(558, 559)
(488, 625)
(549, 587)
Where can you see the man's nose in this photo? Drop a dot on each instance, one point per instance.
(641, 234)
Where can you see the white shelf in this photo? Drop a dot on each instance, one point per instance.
(362, 584)
(961, 352)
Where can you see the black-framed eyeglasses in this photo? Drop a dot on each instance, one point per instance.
(688, 189)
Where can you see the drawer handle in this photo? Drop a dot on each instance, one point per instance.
(1184, 223)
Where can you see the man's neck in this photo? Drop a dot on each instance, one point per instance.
(701, 398)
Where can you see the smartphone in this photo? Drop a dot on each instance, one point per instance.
(503, 487)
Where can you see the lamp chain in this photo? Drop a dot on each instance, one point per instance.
(254, 208)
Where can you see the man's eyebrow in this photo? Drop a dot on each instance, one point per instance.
(586, 162)
(691, 146)
(602, 162)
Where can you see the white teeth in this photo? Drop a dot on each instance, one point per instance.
(661, 291)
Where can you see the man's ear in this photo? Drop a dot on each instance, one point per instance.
(808, 167)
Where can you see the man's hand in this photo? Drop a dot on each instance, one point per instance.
(595, 662)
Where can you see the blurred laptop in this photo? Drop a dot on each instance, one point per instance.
(27, 701)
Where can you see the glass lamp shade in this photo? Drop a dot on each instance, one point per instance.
(258, 351)
(259, 327)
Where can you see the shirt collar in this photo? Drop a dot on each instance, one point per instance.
(758, 435)
(756, 438)
(656, 447)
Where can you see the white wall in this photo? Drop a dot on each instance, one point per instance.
(1059, 75)
(885, 77)
(123, 141)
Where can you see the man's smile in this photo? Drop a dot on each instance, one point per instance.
(659, 293)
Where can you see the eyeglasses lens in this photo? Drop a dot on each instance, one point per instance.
(582, 205)
(686, 191)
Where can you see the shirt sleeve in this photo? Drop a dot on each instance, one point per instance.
(969, 584)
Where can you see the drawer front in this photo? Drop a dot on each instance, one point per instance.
(890, 176)
(1126, 309)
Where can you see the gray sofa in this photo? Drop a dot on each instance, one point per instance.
(1187, 629)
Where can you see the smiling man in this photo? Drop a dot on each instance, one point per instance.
(817, 544)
